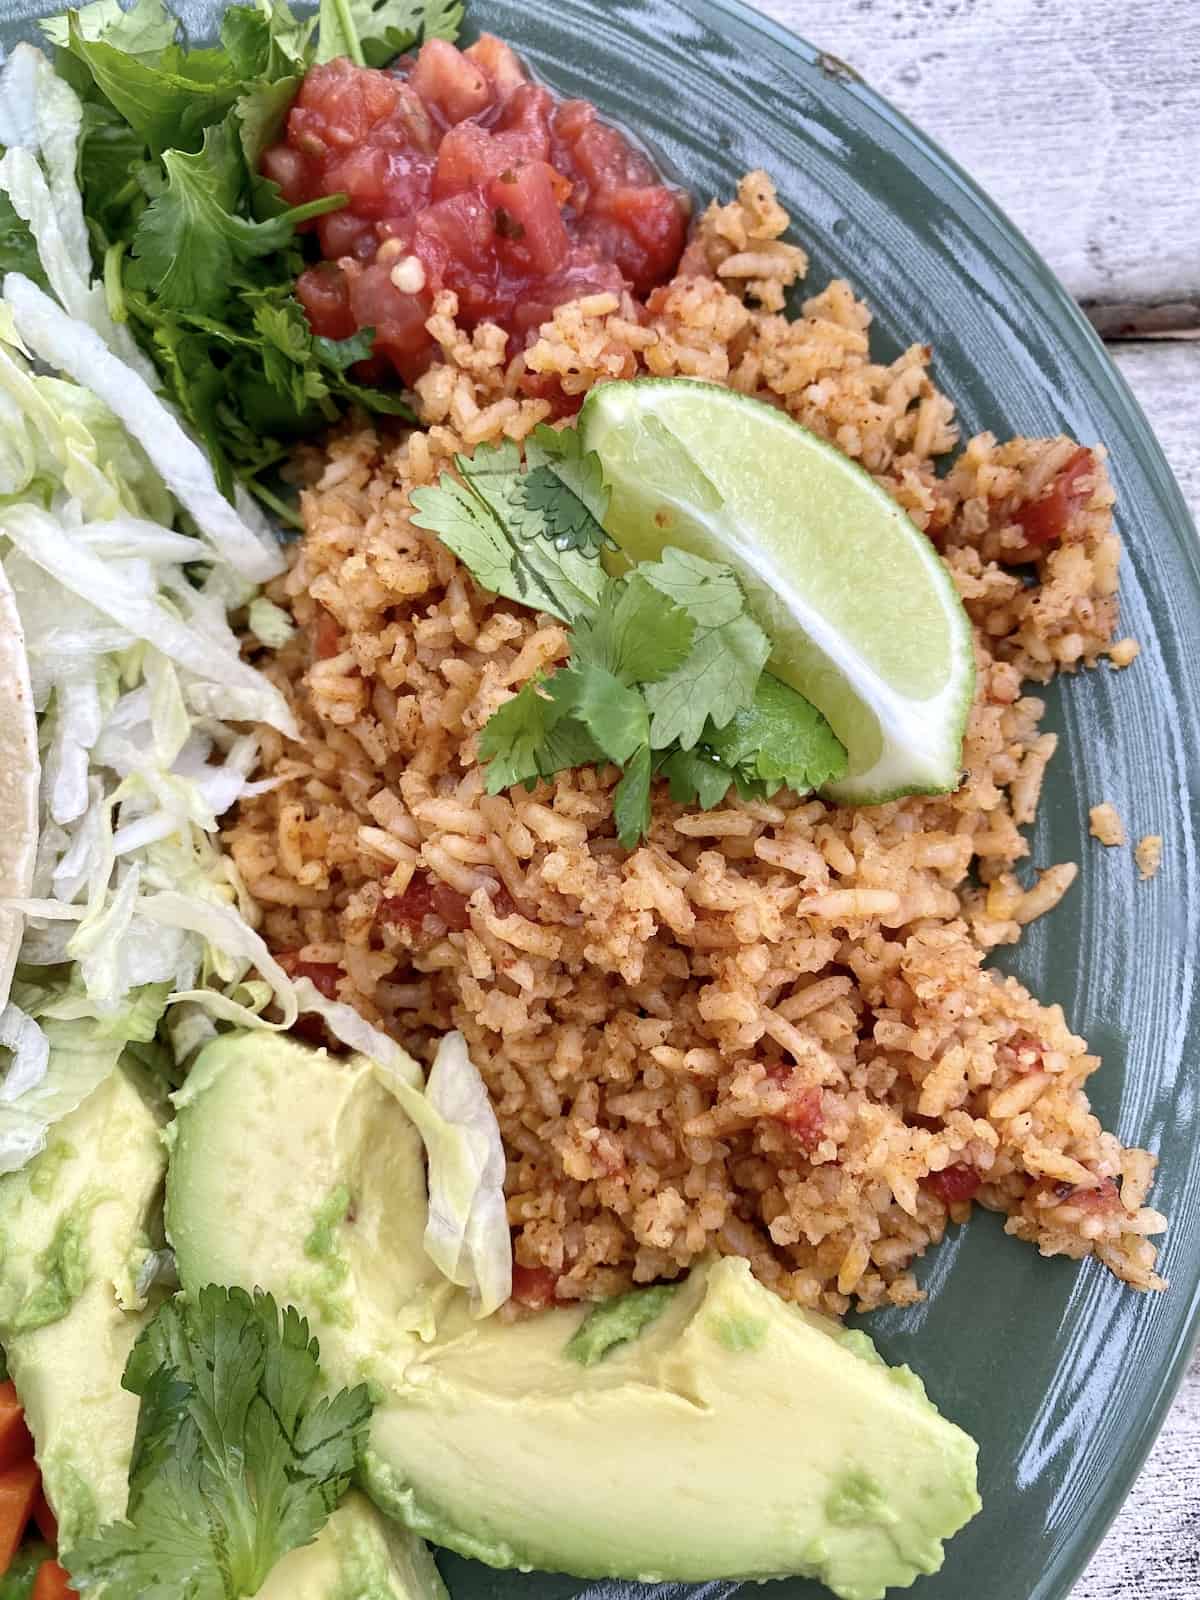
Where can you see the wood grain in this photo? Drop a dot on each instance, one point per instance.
(1166, 379)
(1080, 117)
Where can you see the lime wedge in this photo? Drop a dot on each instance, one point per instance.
(863, 617)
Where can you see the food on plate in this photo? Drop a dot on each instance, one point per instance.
(769, 1029)
(1148, 855)
(497, 977)
(1104, 823)
(857, 1479)
(77, 1287)
(462, 174)
(862, 615)
(357, 1552)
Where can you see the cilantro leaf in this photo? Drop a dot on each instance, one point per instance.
(780, 740)
(338, 354)
(697, 777)
(729, 650)
(266, 42)
(374, 32)
(114, 171)
(716, 680)
(637, 634)
(467, 526)
(142, 32)
(565, 488)
(709, 592)
(239, 1456)
(167, 95)
(666, 671)
(612, 712)
(564, 518)
(191, 238)
(479, 518)
(533, 736)
(562, 450)
(631, 799)
(260, 114)
(541, 502)
(514, 737)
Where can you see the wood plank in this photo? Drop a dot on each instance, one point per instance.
(1080, 117)
(1165, 377)
(1152, 1550)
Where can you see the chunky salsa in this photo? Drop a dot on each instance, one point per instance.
(463, 174)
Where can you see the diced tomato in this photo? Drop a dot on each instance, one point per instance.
(603, 158)
(512, 200)
(337, 106)
(955, 1184)
(52, 1583)
(1028, 1051)
(503, 903)
(499, 62)
(526, 121)
(424, 897)
(19, 1488)
(291, 169)
(47, 1522)
(533, 1287)
(328, 635)
(1045, 520)
(343, 234)
(398, 317)
(323, 975)
(449, 82)
(646, 228)
(324, 292)
(456, 239)
(524, 198)
(16, 1445)
(1105, 1196)
(546, 386)
(803, 1117)
(802, 1113)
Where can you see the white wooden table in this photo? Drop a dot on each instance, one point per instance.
(1082, 118)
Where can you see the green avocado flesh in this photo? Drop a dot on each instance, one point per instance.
(730, 1435)
(75, 1226)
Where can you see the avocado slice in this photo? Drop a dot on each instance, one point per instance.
(299, 1173)
(733, 1436)
(76, 1225)
(358, 1555)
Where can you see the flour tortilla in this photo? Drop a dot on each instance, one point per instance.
(19, 778)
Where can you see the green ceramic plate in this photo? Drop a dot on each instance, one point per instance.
(1061, 1374)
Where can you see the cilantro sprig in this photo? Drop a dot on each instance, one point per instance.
(240, 1455)
(666, 675)
(198, 251)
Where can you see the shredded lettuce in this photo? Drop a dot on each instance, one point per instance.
(467, 1236)
(135, 671)
(40, 122)
(73, 347)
